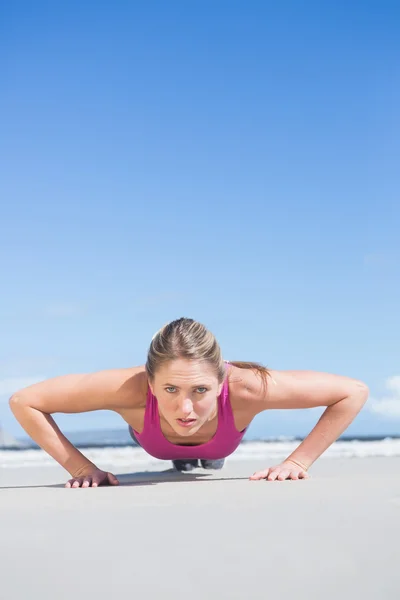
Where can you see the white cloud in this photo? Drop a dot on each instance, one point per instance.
(388, 405)
(10, 385)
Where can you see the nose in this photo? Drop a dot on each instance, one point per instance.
(186, 407)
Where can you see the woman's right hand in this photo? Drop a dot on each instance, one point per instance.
(93, 478)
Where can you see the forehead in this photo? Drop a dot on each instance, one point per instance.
(186, 370)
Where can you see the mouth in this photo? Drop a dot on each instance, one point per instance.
(186, 422)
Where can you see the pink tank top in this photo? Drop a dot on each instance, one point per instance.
(225, 441)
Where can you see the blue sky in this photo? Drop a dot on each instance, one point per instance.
(233, 162)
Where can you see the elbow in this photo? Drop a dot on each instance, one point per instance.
(363, 387)
(13, 400)
(15, 397)
(16, 401)
(361, 392)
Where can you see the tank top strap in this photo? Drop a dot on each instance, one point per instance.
(225, 409)
(151, 411)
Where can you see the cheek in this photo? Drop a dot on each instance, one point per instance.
(204, 407)
(165, 406)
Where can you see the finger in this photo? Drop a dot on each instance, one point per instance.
(259, 475)
(283, 474)
(294, 475)
(304, 475)
(99, 480)
(68, 484)
(273, 475)
(86, 483)
(76, 483)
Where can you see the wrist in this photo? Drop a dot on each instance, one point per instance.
(82, 469)
(300, 463)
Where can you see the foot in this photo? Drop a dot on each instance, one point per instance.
(213, 464)
(185, 464)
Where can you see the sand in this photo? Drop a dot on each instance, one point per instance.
(188, 536)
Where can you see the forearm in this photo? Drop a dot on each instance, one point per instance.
(332, 423)
(42, 428)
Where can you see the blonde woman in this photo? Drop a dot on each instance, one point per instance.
(187, 404)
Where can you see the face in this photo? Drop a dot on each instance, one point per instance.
(187, 393)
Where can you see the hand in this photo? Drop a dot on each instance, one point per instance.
(286, 470)
(93, 478)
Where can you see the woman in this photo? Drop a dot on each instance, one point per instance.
(188, 404)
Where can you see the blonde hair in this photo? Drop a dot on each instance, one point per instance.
(189, 339)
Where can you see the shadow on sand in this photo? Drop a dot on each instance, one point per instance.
(144, 478)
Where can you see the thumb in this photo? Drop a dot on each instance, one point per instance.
(112, 479)
(259, 475)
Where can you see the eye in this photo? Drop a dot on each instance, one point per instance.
(171, 387)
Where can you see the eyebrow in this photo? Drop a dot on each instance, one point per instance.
(194, 386)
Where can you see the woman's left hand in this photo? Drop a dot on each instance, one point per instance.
(286, 470)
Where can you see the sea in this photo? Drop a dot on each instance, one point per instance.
(114, 448)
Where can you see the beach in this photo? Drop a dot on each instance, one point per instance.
(191, 535)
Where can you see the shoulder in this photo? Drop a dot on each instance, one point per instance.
(248, 386)
(132, 386)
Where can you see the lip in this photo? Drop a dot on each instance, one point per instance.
(187, 423)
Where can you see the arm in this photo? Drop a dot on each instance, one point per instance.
(105, 390)
(344, 397)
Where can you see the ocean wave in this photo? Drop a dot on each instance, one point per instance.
(131, 456)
